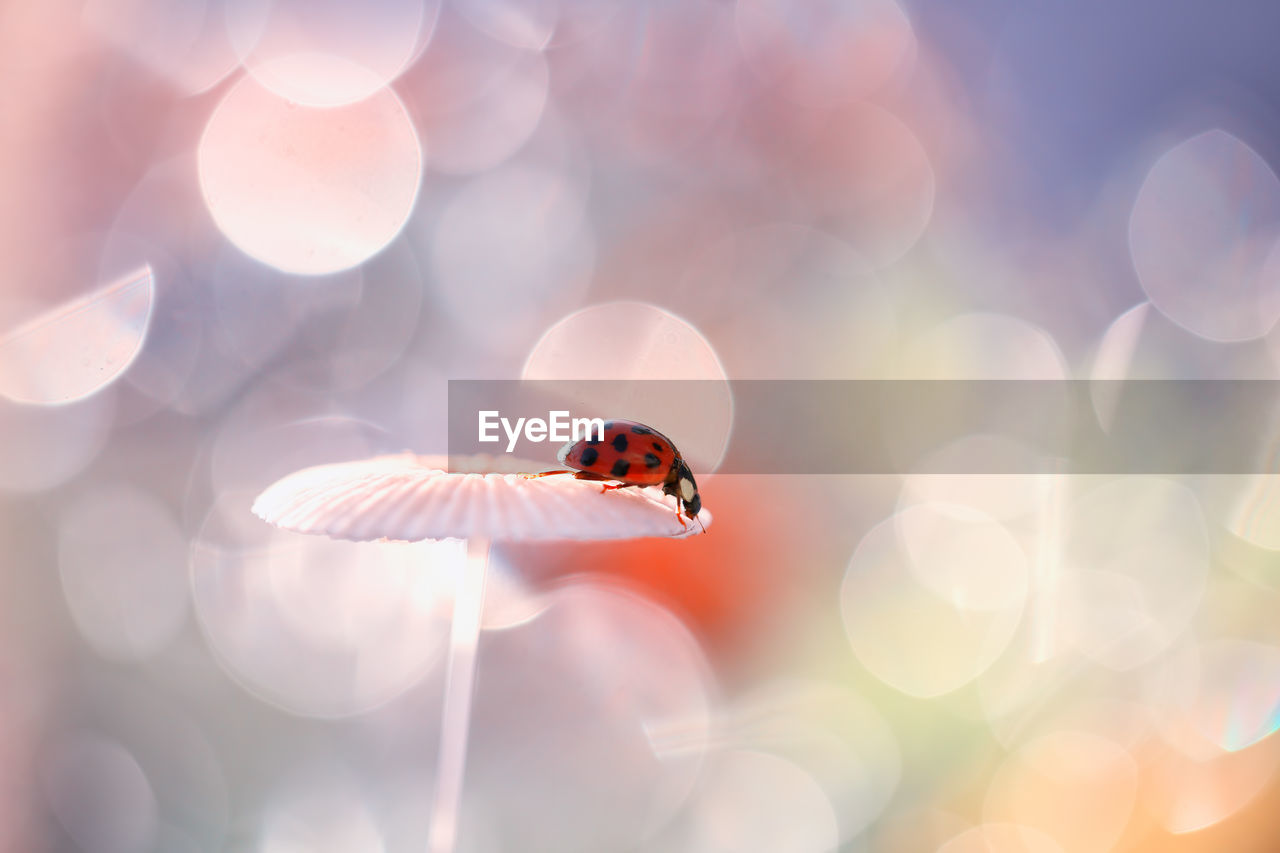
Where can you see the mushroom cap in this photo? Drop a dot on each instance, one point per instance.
(411, 498)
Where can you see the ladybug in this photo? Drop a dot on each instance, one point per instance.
(635, 455)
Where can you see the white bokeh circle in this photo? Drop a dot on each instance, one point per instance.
(630, 343)
(1202, 235)
(328, 52)
(309, 190)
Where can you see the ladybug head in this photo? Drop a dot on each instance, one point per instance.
(686, 489)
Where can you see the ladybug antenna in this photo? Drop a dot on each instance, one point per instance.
(685, 512)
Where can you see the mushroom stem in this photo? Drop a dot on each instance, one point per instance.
(455, 719)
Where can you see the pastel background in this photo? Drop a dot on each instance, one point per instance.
(240, 237)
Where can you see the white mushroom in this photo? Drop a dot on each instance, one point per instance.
(412, 498)
(481, 499)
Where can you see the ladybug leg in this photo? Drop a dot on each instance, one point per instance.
(609, 487)
(547, 473)
(607, 484)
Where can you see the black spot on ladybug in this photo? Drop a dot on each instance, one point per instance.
(593, 441)
(589, 456)
(651, 461)
(641, 430)
(620, 468)
(620, 442)
(657, 445)
(608, 426)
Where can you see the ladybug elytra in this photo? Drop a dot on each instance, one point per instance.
(634, 455)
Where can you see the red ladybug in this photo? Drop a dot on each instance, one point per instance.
(635, 455)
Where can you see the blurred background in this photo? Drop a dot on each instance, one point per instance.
(242, 237)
